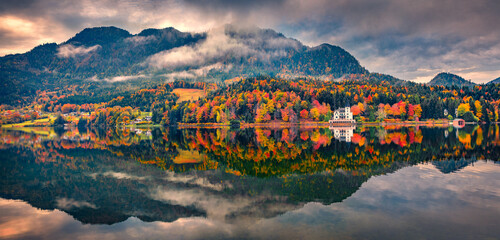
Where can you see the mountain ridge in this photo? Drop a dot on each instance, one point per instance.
(494, 81)
(109, 35)
(107, 54)
(98, 35)
(449, 79)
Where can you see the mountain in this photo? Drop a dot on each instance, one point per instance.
(100, 35)
(449, 79)
(325, 59)
(102, 51)
(101, 55)
(494, 81)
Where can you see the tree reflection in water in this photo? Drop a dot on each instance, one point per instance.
(105, 176)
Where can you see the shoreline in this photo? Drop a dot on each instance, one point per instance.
(430, 123)
(436, 123)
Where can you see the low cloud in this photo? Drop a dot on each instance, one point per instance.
(220, 207)
(118, 78)
(118, 175)
(139, 40)
(169, 176)
(68, 204)
(216, 46)
(71, 51)
(195, 180)
(223, 43)
(197, 72)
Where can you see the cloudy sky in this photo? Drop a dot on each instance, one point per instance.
(409, 39)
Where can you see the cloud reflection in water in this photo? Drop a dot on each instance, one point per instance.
(414, 202)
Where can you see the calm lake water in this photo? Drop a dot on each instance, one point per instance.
(299, 183)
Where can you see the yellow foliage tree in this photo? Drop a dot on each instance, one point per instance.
(479, 109)
(463, 108)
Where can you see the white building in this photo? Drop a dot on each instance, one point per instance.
(138, 120)
(342, 115)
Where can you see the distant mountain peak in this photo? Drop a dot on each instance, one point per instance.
(325, 45)
(247, 32)
(328, 47)
(449, 79)
(155, 31)
(335, 57)
(99, 35)
(495, 81)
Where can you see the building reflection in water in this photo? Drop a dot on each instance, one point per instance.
(343, 133)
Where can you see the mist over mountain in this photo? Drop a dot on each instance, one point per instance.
(109, 51)
(110, 54)
(449, 79)
(101, 52)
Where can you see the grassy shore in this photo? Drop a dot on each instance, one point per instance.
(45, 131)
(35, 123)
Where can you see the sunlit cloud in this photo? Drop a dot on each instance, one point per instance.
(22, 34)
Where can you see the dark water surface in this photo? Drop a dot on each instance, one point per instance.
(317, 183)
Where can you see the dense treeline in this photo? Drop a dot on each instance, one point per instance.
(264, 99)
(372, 97)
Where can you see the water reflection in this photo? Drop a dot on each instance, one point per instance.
(343, 133)
(247, 182)
(463, 205)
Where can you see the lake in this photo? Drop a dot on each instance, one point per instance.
(393, 182)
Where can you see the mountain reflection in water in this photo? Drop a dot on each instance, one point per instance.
(227, 183)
